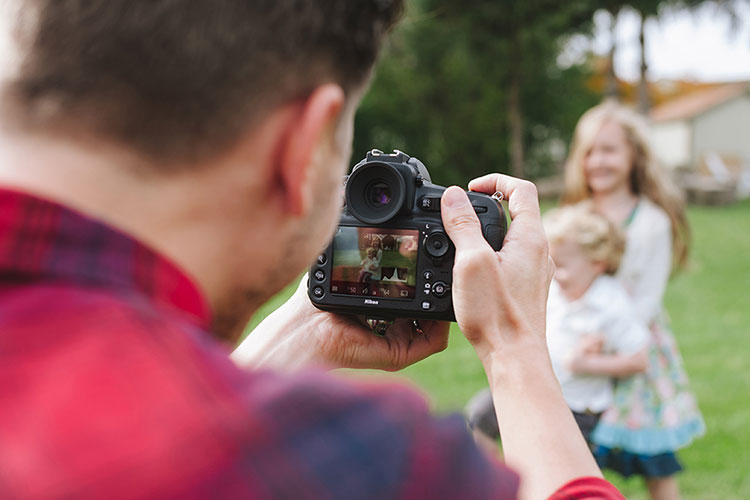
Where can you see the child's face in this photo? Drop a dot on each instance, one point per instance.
(608, 163)
(574, 270)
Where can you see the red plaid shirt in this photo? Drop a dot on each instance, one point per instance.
(112, 388)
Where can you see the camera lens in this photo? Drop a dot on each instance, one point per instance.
(375, 192)
(379, 193)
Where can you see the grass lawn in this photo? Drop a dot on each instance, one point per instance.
(710, 313)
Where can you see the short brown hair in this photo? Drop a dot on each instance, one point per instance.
(179, 80)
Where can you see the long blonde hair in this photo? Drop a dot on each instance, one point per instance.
(646, 177)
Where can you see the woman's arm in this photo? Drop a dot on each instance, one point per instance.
(647, 275)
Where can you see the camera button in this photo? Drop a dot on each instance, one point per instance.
(322, 259)
(436, 244)
(429, 204)
(320, 275)
(427, 275)
(318, 292)
(426, 305)
(439, 289)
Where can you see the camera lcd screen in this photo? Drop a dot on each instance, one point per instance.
(375, 262)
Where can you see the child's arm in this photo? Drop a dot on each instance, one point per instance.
(613, 365)
(620, 349)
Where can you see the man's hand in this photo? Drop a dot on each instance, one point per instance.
(500, 303)
(298, 334)
(499, 297)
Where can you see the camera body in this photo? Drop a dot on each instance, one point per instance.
(390, 257)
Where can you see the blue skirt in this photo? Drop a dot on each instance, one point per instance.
(628, 464)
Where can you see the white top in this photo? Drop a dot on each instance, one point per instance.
(604, 310)
(647, 262)
(372, 266)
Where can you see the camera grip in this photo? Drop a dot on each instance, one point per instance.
(492, 217)
(494, 234)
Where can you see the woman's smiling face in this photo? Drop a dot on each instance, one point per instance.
(609, 161)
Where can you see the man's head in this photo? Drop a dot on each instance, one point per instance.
(217, 131)
(180, 80)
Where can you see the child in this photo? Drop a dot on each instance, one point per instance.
(611, 169)
(592, 333)
(370, 266)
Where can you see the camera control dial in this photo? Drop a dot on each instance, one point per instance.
(436, 244)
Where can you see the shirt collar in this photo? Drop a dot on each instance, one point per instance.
(42, 240)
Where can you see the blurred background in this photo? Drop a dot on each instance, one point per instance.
(472, 87)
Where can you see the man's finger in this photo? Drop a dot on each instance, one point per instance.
(460, 220)
(523, 200)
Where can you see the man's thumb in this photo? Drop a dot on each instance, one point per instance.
(460, 221)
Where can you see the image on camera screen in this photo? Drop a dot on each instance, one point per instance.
(375, 262)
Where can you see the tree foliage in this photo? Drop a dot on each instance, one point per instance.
(444, 90)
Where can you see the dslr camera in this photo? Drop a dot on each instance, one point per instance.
(390, 257)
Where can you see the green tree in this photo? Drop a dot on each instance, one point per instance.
(474, 86)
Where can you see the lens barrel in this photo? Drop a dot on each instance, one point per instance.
(375, 192)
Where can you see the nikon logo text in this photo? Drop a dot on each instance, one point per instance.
(372, 302)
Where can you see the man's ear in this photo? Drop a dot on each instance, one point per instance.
(315, 122)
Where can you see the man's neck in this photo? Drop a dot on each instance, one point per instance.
(110, 185)
(95, 181)
(227, 224)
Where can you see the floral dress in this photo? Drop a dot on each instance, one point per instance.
(653, 412)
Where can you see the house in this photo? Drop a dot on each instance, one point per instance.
(705, 137)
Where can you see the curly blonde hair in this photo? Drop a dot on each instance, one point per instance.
(597, 237)
(646, 177)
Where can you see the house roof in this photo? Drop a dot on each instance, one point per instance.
(697, 103)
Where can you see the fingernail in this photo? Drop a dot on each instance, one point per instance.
(454, 197)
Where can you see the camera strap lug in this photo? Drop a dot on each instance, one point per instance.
(379, 326)
(417, 327)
